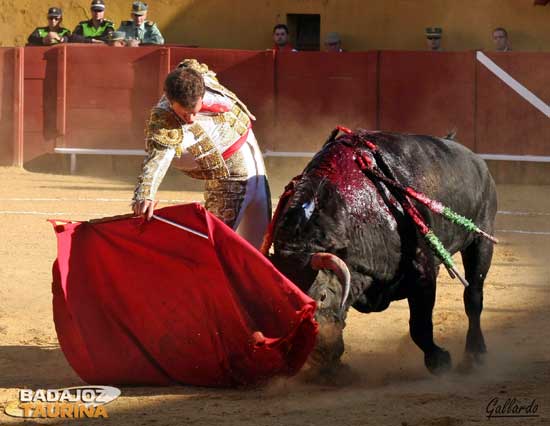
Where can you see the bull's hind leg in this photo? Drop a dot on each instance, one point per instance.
(477, 260)
(421, 300)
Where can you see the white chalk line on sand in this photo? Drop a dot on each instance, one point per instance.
(512, 213)
(31, 213)
(519, 231)
(108, 200)
(67, 214)
(126, 200)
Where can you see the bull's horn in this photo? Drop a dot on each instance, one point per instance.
(336, 265)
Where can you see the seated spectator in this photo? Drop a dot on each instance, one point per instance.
(95, 30)
(117, 39)
(54, 33)
(433, 37)
(280, 39)
(500, 38)
(333, 43)
(139, 31)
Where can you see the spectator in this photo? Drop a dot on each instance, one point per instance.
(333, 43)
(117, 39)
(280, 39)
(433, 37)
(95, 30)
(54, 33)
(139, 31)
(500, 38)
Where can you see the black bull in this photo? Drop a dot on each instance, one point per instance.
(337, 208)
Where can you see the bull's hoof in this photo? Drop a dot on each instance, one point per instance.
(438, 362)
(337, 374)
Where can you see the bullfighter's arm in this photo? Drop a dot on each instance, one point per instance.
(154, 169)
(164, 137)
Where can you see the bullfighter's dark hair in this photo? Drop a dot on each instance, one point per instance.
(184, 86)
(280, 26)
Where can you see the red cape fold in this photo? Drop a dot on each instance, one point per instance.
(145, 303)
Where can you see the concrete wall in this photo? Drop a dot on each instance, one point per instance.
(364, 24)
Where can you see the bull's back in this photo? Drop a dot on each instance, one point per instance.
(445, 171)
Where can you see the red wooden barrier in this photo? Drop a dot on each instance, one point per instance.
(7, 105)
(98, 97)
(40, 100)
(507, 123)
(109, 94)
(316, 91)
(428, 93)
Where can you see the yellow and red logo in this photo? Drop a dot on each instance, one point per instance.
(68, 403)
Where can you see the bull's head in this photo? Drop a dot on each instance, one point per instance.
(330, 290)
(313, 225)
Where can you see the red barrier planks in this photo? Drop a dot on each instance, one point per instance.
(316, 91)
(7, 100)
(428, 93)
(100, 97)
(40, 99)
(109, 95)
(506, 122)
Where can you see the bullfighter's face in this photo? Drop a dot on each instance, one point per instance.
(187, 115)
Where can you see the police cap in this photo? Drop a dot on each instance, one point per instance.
(433, 32)
(139, 8)
(54, 12)
(98, 5)
(117, 35)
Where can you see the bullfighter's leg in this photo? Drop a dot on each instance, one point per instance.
(421, 302)
(477, 260)
(256, 212)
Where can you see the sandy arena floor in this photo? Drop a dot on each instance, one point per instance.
(392, 387)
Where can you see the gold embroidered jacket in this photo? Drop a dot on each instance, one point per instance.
(166, 137)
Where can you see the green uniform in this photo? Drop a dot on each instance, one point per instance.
(35, 39)
(85, 31)
(148, 33)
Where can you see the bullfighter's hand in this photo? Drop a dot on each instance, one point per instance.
(144, 208)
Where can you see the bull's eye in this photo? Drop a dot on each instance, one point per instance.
(323, 297)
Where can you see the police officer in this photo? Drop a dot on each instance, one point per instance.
(433, 38)
(95, 30)
(139, 31)
(117, 39)
(53, 33)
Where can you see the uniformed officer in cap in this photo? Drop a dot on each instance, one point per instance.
(51, 34)
(117, 39)
(433, 37)
(139, 31)
(95, 30)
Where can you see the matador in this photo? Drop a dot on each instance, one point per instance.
(209, 130)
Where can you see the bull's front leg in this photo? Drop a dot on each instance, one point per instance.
(421, 302)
